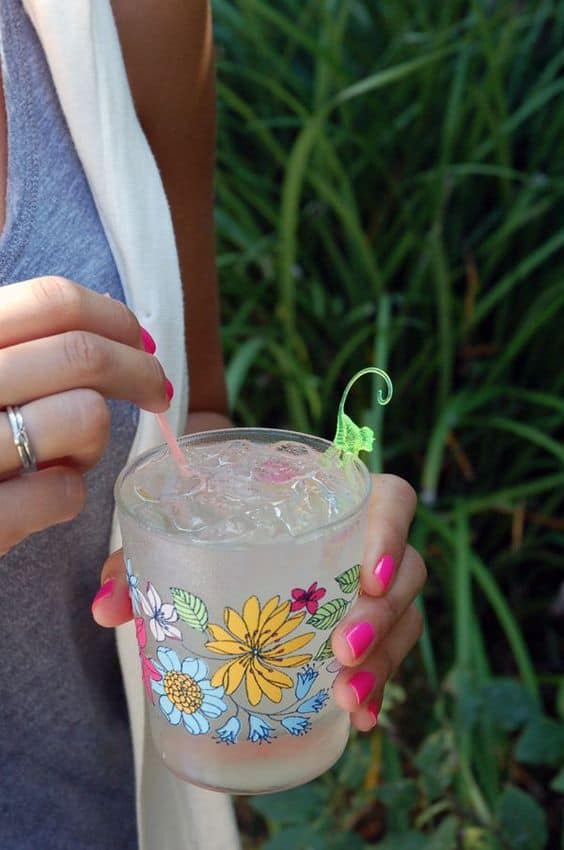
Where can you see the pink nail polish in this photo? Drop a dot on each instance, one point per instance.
(362, 683)
(373, 710)
(384, 571)
(149, 343)
(169, 389)
(105, 591)
(359, 637)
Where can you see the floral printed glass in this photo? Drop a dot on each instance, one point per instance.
(235, 636)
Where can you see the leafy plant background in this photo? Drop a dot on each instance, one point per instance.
(391, 191)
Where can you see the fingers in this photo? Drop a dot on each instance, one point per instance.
(391, 511)
(31, 503)
(74, 359)
(360, 690)
(47, 306)
(375, 637)
(74, 426)
(111, 605)
(371, 619)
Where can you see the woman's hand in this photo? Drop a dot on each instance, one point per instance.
(384, 624)
(381, 628)
(64, 350)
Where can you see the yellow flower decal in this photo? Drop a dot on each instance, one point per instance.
(255, 642)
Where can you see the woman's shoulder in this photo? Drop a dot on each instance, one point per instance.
(166, 49)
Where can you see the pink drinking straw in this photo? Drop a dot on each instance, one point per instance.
(167, 432)
(177, 454)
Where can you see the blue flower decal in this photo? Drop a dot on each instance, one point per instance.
(259, 729)
(185, 693)
(133, 585)
(296, 725)
(305, 680)
(314, 703)
(229, 732)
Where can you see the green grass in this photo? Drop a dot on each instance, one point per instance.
(391, 191)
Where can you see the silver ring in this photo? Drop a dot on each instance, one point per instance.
(21, 439)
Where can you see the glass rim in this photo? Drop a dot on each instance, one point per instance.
(239, 433)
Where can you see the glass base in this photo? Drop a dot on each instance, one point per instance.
(257, 768)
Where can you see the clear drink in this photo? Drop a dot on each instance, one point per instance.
(239, 571)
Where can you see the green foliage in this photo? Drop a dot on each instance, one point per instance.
(403, 841)
(508, 704)
(522, 821)
(437, 763)
(446, 836)
(294, 807)
(542, 742)
(391, 192)
(557, 783)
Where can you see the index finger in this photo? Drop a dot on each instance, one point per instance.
(390, 514)
(45, 306)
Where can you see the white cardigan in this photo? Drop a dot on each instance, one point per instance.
(82, 47)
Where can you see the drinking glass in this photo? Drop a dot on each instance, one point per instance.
(234, 624)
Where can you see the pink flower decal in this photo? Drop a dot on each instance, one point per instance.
(308, 599)
(148, 670)
(140, 633)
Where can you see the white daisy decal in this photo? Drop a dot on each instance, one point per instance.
(161, 615)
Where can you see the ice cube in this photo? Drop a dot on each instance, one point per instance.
(269, 523)
(275, 471)
(291, 448)
(228, 528)
(182, 486)
(145, 496)
(189, 515)
(236, 484)
(235, 451)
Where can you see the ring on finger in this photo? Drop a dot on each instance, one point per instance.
(21, 439)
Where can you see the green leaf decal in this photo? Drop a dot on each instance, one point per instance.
(191, 609)
(324, 652)
(349, 580)
(329, 614)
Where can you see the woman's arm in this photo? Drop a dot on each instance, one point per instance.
(168, 51)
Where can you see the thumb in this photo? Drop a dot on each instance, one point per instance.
(111, 606)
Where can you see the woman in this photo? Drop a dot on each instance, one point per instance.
(78, 225)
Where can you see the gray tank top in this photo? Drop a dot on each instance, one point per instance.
(66, 781)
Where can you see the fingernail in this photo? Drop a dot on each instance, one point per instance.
(149, 343)
(362, 683)
(359, 637)
(105, 591)
(384, 570)
(373, 710)
(169, 389)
